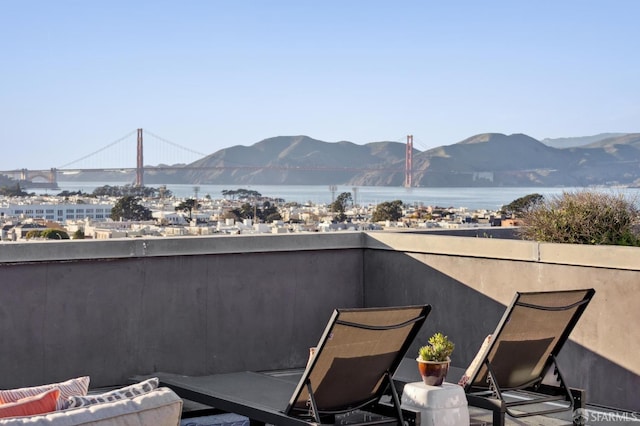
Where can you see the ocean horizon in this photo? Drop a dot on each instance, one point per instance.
(470, 198)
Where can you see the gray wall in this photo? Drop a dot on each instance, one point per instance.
(469, 281)
(196, 314)
(202, 305)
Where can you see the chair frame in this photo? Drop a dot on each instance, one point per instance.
(494, 398)
(244, 393)
(371, 404)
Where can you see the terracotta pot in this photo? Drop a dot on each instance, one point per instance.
(433, 372)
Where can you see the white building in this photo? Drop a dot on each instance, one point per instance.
(59, 212)
(169, 217)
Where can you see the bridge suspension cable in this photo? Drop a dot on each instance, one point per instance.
(421, 145)
(64, 166)
(160, 138)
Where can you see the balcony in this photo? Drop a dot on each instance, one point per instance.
(205, 305)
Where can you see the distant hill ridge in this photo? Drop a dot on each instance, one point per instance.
(578, 141)
(484, 160)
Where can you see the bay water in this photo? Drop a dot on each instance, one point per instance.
(470, 198)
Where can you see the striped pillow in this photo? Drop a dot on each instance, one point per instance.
(114, 395)
(71, 387)
(31, 405)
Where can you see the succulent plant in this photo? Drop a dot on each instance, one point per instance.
(438, 349)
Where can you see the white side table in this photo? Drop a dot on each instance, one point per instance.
(444, 405)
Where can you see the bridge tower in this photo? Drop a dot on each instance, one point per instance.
(139, 162)
(53, 177)
(408, 164)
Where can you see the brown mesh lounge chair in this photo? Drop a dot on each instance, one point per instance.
(350, 372)
(521, 352)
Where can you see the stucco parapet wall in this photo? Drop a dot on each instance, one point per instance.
(454, 246)
(611, 257)
(38, 251)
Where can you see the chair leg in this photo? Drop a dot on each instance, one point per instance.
(498, 417)
(579, 403)
(496, 406)
(578, 398)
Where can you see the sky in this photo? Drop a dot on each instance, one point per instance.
(78, 76)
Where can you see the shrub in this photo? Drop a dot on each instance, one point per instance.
(583, 217)
(34, 233)
(55, 234)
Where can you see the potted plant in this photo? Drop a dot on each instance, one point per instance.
(434, 358)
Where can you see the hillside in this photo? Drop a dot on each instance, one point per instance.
(490, 159)
(483, 160)
(578, 141)
(300, 160)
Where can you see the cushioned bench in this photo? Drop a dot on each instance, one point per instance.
(160, 407)
(69, 403)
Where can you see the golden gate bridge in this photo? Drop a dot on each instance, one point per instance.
(31, 178)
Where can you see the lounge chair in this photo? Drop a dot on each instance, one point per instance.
(521, 352)
(350, 374)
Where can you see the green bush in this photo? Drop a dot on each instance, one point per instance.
(34, 233)
(55, 234)
(583, 217)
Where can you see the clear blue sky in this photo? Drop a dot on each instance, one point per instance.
(77, 75)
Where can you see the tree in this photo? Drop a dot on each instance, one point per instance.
(521, 205)
(583, 217)
(388, 210)
(138, 191)
(188, 206)
(67, 194)
(269, 212)
(13, 191)
(129, 208)
(339, 206)
(240, 193)
(78, 235)
(246, 211)
(107, 190)
(55, 234)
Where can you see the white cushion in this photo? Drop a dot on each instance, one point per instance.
(130, 391)
(77, 386)
(161, 407)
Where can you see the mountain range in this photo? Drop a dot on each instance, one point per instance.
(484, 160)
